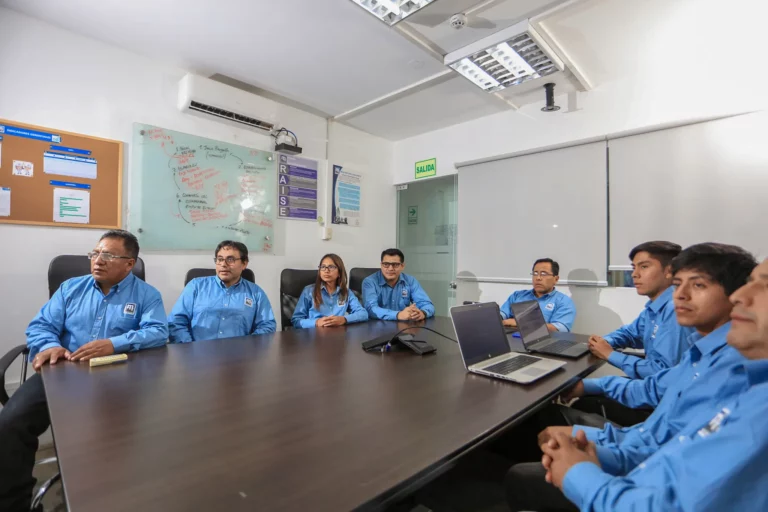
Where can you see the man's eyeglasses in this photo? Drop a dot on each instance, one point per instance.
(327, 268)
(105, 256)
(229, 260)
(542, 274)
(393, 266)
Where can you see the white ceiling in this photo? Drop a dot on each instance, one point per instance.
(328, 54)
(334, 57)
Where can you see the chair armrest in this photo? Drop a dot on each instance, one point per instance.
(5, 363)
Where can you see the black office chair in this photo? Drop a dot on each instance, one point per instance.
(208, 272)
(356, 277)
(61, 268)
(292, 283)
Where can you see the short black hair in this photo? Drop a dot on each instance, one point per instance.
(240, 246)
(727, 265)
(660, 250)
(393, 252)
(130, 242)
(555, 265)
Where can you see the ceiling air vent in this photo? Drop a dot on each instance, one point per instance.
(232, 116)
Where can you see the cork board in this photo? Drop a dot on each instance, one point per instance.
(50, 177)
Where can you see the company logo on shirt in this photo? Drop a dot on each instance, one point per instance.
(129, 309)
(404, 293)
(341, 302)
(249, 302)
(550, 306)
(715, 423)
(655, 330)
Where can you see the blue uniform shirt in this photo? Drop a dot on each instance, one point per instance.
(208, 310)
(717, 462)
(384, 302)
(713, 388)
(131, 316)
(657, 331)
(706, 354)
(558, 308)
(306, 314)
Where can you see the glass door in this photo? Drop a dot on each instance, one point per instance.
(427, 213)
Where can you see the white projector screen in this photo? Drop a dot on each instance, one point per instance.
(550, 204)
(705, 182)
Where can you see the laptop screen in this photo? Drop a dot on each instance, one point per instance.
(479, 332)
(530, 321)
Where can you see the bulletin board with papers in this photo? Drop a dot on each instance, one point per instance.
(51, 177)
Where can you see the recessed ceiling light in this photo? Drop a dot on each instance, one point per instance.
(392, 11)
(508, 58)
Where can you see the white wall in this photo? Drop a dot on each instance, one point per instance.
(668, 76)
(101, 92)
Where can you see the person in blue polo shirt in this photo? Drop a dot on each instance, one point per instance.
(109, 311)
(558, 308)
(656, 330)
(391, 295)
(716, 462)
(704, 277)
(224, 305)
(328, 302)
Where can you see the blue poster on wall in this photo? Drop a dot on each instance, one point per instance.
(346, 197)
(296, 188)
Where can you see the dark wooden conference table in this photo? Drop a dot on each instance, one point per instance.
(296, 420)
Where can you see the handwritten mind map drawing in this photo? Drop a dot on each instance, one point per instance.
(190, 192)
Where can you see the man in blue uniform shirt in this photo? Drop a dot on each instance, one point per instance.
(704, 276)
(110, 311)
(558, 308)
(656, 330)
(716, 462)
(391, 295)
(224, 305)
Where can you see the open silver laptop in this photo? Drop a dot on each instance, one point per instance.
(485, 350)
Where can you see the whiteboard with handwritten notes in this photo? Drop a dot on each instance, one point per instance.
(189, 192)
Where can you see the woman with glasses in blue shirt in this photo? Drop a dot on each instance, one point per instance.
(328, 302)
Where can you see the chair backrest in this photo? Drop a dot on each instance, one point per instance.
(207, 272)
(356, 277)
(68, 266)
(292, 283)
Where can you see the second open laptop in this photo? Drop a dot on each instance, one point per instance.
(485, 350)
(536, 337)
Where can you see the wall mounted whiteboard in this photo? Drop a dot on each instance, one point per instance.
(550, 204)
(189, 192)
(704, 182)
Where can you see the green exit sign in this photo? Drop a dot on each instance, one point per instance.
(426, 168)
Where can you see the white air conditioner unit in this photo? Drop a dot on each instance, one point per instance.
(213, 100)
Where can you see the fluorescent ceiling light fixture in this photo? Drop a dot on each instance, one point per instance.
(392, 11)
(507, 58)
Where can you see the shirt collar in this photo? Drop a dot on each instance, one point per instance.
(661, 301)
(224, 287)
(757, 371)
(383, 280)
(546, 296)
(325, 291)
(712, 341)
(122, 284)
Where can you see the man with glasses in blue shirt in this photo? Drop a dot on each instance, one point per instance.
(109, 311)
(558, 308)
(224, 305)
(716, 462)
(391, 295)
(704, 277)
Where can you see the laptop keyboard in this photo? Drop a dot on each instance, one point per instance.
(511, 365)
(558, 347)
